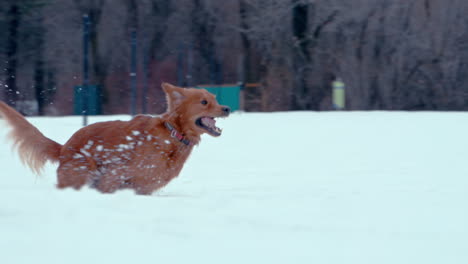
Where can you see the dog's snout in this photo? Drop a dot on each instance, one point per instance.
(226, 110)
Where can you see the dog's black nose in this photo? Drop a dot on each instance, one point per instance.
(226, 110)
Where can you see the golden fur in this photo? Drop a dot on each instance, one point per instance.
(141, 154)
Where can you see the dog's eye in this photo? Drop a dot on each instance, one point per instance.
(204, 102)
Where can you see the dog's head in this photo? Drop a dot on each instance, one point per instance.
(195, 109)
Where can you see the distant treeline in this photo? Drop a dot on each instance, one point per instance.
(391, 54)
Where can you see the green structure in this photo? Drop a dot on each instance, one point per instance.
(338, 96)
(226, 95)
(94, 100)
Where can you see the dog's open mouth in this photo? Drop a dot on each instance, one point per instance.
(209, 124)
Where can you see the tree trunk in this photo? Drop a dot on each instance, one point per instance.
(14, 18)
(203, 31)
(247, 72)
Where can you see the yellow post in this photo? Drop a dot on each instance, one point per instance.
(338, 95)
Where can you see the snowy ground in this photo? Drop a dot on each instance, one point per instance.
(362, 187)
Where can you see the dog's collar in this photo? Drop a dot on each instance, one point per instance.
(176, 134)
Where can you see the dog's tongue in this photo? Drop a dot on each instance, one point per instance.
(208, 121)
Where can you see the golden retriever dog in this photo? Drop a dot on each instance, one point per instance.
(143, 154)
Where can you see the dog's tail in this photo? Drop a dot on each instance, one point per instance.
(33, 147)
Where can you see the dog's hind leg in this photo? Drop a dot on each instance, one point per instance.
(109, 183)
(75, 173)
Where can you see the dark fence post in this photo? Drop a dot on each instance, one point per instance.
(189, 77)
(145, 81)
(84, 91)
(133, 72)
(180, 65)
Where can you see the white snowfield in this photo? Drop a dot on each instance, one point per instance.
(294, 187)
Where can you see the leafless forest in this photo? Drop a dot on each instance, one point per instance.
(391, 54)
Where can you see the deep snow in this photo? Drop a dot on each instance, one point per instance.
(293, 187)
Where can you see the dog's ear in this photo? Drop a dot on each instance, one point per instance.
(174, 95)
